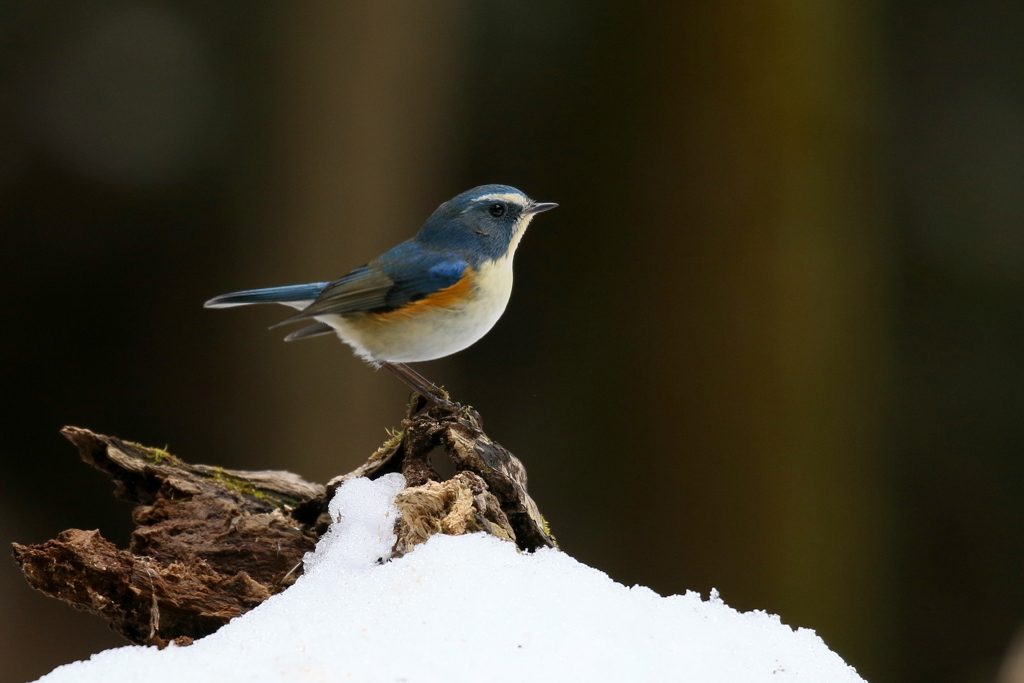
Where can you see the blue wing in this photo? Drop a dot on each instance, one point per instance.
(405, 274)
(418, 273)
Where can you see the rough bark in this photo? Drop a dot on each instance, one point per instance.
(471, 450)
(212, 543)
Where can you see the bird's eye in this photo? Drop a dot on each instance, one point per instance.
(496, 210)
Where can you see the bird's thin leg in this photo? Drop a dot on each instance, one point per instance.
(421, 385)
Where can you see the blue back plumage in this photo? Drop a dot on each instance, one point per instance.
(400, 276)
(465, 232)
(462, 233)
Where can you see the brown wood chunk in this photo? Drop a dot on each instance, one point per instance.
(211, 543)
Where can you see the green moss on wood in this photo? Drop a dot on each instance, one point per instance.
(156, 456)
(547, 530)
(242, 486)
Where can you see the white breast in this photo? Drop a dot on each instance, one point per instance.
(442, 331)
(436, 333)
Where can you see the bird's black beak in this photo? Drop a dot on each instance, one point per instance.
(539, 207)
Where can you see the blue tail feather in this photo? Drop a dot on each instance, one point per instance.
(290, 295)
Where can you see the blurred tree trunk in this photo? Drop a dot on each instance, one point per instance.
(702, 323)
(773, 319)
(363, 144)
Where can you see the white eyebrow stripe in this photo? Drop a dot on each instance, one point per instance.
(510, 197)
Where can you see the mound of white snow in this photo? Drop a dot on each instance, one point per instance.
(469, 608)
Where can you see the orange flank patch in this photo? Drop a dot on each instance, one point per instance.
(448, 297)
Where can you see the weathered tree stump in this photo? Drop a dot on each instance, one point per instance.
(212, 543)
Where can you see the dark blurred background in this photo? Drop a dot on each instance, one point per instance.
(771, 342)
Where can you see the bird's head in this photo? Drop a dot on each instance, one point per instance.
(486, 222)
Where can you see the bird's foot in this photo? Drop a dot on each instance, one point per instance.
(439, 400)
(466, 414)
(432, 395)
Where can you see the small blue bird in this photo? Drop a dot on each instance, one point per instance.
(427, 298)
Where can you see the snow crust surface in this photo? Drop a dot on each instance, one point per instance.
(469, 608)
